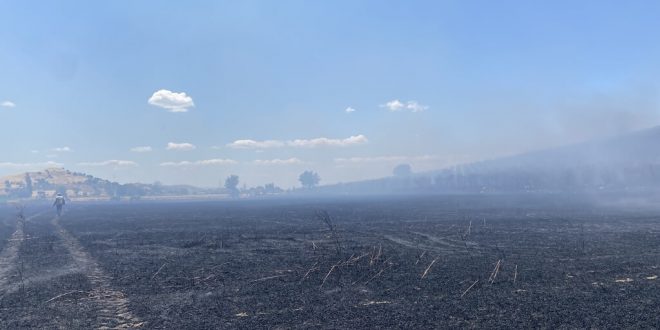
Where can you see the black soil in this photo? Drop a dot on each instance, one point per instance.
(461, 261)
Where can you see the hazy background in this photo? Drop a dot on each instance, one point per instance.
(346, 88)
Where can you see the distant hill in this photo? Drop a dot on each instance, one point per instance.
(629, 162)
(46, 183)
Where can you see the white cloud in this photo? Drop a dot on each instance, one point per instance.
(62, 149)
(252, 144)
(394, 105)
(386, 159)
(299, 143)
(377, 159)
(34, 151)
(433, 157)
(216, 162)
(183, 163)
(349, 110)
(206, 162)
(325, 142)
(276, 161)
(171, 101)
(29, 165)
(112, 162)
(412, 106)
(8, 104)
(141, 149)
(180, 146)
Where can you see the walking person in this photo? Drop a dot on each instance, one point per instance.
(59, 203)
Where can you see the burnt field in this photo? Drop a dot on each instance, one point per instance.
(432, 262)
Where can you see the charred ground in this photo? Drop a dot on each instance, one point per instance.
(459, 261)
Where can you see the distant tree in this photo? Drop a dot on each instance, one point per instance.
(156, 188)
(27, 191)
(402, 170)
(256, 191)
(271, 188)
(309, 179)
(231, 184)
(9, 190)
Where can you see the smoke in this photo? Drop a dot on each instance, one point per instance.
(607, 115)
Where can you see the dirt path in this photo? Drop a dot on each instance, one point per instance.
(113, 311)
(10, 252)
(8, 256)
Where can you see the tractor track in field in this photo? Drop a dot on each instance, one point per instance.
(9, 254)
(112, 305)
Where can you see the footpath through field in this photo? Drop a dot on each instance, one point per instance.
(10, 252)
(48, 280)
(113, 309)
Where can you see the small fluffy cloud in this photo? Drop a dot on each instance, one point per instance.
(290, 161)
(62, 149)
(180, 146)
(141, 149)
(206, 162)
(349, 110)
(47, 164)
(299, 143)
(171, 101)
(112, 162)
(394, 105)
(8, 104)
(416, 107)
(412, 106)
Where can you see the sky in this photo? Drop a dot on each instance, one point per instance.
(191, 92)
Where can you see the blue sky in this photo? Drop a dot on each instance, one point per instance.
(431, 83)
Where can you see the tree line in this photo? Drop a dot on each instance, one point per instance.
(308, 179)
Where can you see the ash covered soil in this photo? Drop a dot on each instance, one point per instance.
(408, 262)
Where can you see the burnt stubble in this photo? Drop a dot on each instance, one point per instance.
(442, 261)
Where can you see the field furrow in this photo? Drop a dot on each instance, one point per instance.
(112, 305)
(9, 254)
